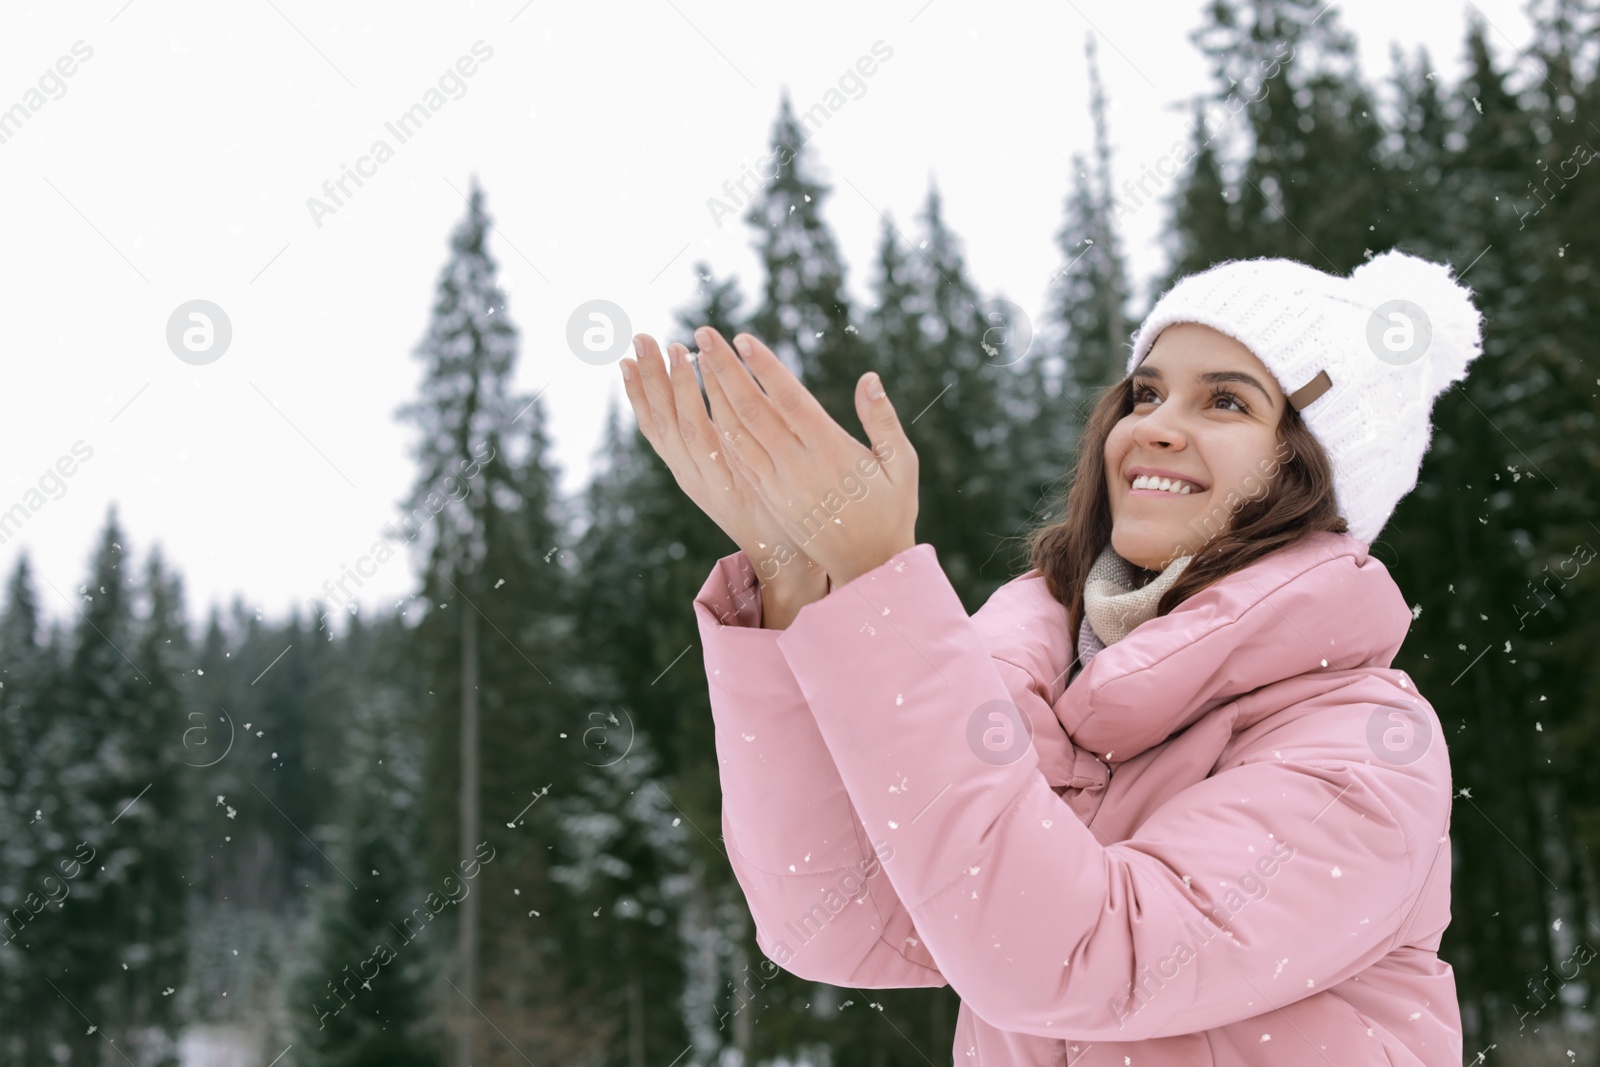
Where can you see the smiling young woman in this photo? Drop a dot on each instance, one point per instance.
(1225, 838)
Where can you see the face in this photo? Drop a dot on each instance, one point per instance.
(1206, 413)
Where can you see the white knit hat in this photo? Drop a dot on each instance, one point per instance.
(1361, 358)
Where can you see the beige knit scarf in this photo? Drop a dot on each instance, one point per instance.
(1117, 597)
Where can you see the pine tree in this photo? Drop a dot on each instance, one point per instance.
(151, 904)
(1287, 70)
(465, 415)
(1087, 321)
(1110, 269)
(952, 389)
(1083, 295)
(537, 676)
(805, 314)
(98, 779)
(94, 771)
(1501, 477)
(1207, 208)
(645, 553)
(622, 860)
(1422, 175)
(35, 825)
(717, 305)
(1558, 416)
(280, 775)
(268, 709)
(248, 901)
(366, 984)
(1464, 589)
(260, 724)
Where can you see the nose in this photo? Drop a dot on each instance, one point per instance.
(1161, 427)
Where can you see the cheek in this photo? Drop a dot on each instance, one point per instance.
(1117, 444)
(1118, 441)
(1245, 470)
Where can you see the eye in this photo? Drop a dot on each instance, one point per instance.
(1223, 394)
(1139, 392)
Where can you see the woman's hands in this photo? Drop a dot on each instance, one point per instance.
(851, 509)
(672, 417)
(772, 468)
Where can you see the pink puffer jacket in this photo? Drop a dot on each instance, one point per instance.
(1226, 842)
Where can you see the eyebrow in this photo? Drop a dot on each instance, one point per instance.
(1215, 377)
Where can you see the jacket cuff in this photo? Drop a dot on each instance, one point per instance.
(731, 595)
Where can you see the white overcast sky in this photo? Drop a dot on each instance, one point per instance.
(177, 163)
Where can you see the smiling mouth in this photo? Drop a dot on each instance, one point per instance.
(1163, 492)
(1182, 489)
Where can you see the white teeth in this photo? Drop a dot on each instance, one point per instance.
(1148, 481)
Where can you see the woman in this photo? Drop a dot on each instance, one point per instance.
(1226, 840)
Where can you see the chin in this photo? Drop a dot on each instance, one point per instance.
(1144, 550)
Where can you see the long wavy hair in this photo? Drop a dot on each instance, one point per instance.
(1299, 498)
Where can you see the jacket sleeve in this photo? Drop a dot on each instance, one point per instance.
(1251, 889)
(823, 909)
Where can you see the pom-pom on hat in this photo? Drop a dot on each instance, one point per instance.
(1361, 358)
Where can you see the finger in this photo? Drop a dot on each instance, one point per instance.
(727, 410)
(700, 438)
(801, 411)
(723, 424)
(655, 395)
(890, 444)
(719, 418)
(633, 385)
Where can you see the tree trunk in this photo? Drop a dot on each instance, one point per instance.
(469, 825)
(635, 1019)
(743, 1038)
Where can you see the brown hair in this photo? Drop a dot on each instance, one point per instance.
(1299, 498)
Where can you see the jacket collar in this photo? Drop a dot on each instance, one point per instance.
(1320, 605)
